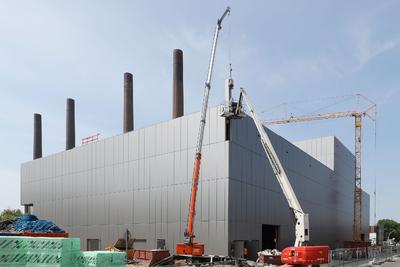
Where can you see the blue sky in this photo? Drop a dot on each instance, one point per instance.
(281, 51)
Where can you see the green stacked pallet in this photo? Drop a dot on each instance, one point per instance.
(118, 259)
(99, 259)
(53, 252)
(13, 250)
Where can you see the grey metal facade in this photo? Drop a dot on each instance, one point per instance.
(141, 181)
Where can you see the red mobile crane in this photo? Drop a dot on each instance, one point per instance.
(189, 247)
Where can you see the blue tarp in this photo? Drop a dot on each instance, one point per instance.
(30, 223)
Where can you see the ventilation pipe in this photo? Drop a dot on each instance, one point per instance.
(37, 136)
(128, 102)
(177, 84)
(70, 124)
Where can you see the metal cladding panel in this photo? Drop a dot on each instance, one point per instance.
(125, 147)
(169, 138)
(141, 206)
(192, 131)
(81, 211)
(184, 133)
(176, 126)
(152, 206)
(158, 213)
(109, 151)
(181, 160)
(321, 149)
(184, 193)
(119, 175)
(118, 149)
(108, 177)
(125, 208)
(125, 177)
(204, 188)
(150, 144)
(133, 146)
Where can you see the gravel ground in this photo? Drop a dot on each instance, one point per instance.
(396, 263)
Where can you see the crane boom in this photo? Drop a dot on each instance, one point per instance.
(301, 218)
(189, 247)
(208, 83)
(313, 117)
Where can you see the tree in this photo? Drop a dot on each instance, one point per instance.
(390, 227)
(8, 214)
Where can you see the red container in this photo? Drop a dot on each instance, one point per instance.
(150, 257)
(194, 249)
(270, 260)
(305, 255)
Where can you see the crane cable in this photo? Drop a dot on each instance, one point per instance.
(339, 99)
(230, 50)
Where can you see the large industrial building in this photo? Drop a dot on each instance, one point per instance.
(140, 180)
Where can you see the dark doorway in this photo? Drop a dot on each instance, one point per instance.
(270, 236)
(362, 237)
(252, 248)
(227, 129)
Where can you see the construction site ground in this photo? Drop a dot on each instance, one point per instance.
(394, 262)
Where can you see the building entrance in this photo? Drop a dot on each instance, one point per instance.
(270, 236)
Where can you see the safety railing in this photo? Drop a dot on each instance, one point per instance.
(363, 256)
(90, 139)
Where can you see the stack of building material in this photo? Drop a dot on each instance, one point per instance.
(30, 225)
(13, 251)
(53, 252)
(39, 251)
(100, 259)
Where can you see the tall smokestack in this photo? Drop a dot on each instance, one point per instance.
(37, 136)
(70, 124)
(177, 84)
(128, 102)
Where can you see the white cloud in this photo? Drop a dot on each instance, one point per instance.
(366, 39)
(367, 47)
